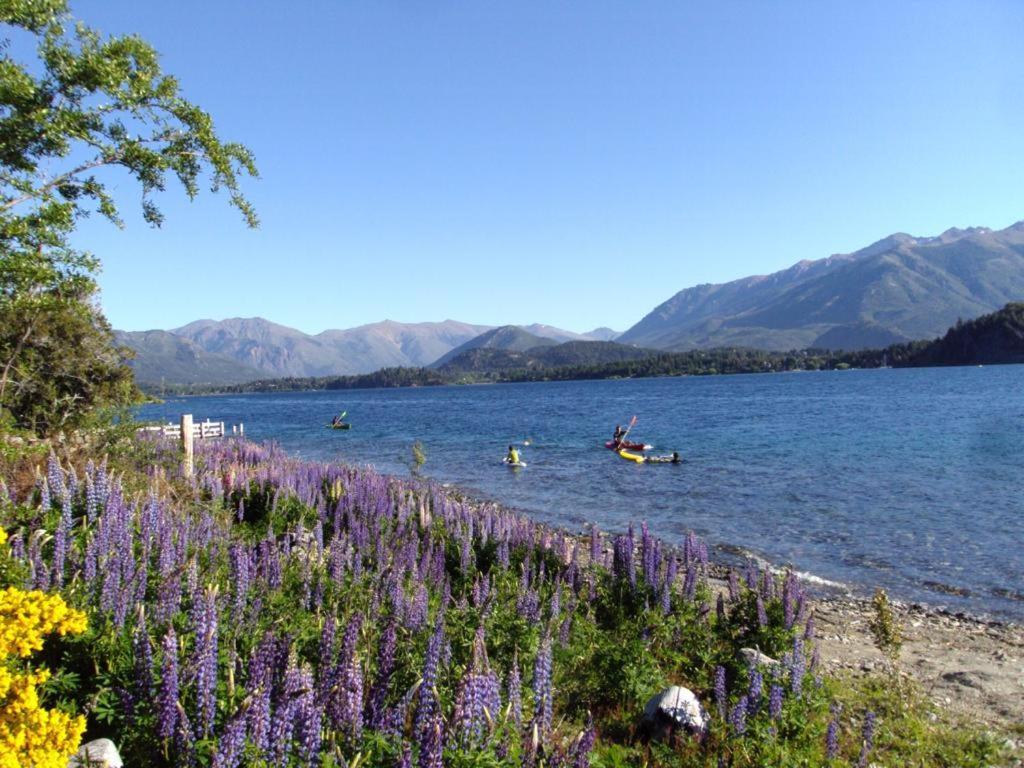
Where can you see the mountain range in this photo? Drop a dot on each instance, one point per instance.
(209, 352)
(897, 289)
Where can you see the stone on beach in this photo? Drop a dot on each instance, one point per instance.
(675, 708)
(100, 753)
(755, 658)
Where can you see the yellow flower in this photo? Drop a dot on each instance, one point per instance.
(3, 536)
(29, 734)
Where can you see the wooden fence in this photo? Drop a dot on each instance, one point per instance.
(187, 431)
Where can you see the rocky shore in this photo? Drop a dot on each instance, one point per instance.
(970, 666)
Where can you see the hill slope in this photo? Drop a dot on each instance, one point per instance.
(900, 288)
(570, 353)
(509, 338)
(162, 357)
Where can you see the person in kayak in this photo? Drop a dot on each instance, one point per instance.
(673, 459)
(619, 432)
(513, 455)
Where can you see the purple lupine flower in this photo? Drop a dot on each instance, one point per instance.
(231, 743)
(797, 667)
(61, 541)
(345, 706)
(565, 629)
(167, 698)
(690, 581)
(720, 608)
(734, 586)
(762, 614)
(405, 759)
(477, 700)
(542, 687)
(755, 688)
(514, 689)
(427, 705)
(720, 691)
(308, 716)
(809, 628)
(262, 668)
(431, 741)
(868, 736)
(240, 579)
(580, 751)
(775, 702)
(738, 716)
(385, 668)
(832, 739)
(143, 660)
(282, 724)
(205, 629)
(595, 545)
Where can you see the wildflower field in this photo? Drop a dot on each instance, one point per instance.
(272, 612)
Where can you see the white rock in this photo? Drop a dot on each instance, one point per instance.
(100, 753)
(679, 705)
(755, 658)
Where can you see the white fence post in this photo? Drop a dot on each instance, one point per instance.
(186, 442)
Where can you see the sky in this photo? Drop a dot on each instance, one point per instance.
(574, 164)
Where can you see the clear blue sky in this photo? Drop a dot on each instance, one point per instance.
(568, 163)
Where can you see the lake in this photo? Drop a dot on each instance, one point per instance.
(910, 479)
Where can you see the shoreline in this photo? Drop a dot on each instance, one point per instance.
(971, 667)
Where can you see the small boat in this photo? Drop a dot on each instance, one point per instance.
(514, 464)
(340, 425)
(639, 458)
(611, 445)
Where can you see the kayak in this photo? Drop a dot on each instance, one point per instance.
(346, 425)
(611, 445)
(514, 464)
(638, 458)
(663, 460)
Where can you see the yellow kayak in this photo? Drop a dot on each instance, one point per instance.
(637, 457)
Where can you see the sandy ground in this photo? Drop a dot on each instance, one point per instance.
(969, 666)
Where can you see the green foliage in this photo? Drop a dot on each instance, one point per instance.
(419, 455)
(85, 105)
(885, 629)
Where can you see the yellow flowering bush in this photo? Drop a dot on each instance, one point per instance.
(30, 736)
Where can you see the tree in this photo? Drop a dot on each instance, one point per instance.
(86, 107)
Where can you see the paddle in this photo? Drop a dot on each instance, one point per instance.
(622, 437)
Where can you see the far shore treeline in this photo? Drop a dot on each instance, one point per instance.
(996, 338)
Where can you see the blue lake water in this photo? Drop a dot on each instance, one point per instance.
(908, 479)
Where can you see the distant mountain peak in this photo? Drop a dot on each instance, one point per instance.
(900, 287)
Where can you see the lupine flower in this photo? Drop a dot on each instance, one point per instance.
(720, 691)
(738, 716)
(426, 706)
(231, 743)
(797, 667)
(868, 736)
(580, 751)
(832, 739)
(385, 668)
(143, 660)
(762, 614)
(431, 741)
(542, 686)
(404, 759)
(775, 702)
(514, 688)
(754, 690)
(734, 586)
(206, 660)
(167, 700)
